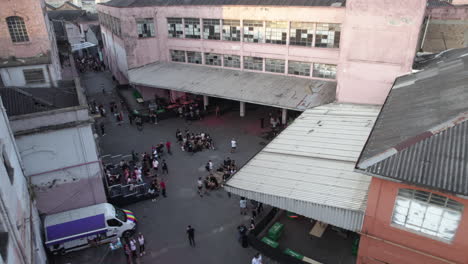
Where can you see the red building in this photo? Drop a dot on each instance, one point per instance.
(417, 154)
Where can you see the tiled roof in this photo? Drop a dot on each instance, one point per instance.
(143, 3)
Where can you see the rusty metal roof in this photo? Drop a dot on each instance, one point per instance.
(144, 3)
(420, 136)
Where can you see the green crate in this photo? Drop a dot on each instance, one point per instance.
(293, 254)
(275, 231)
(270, 242)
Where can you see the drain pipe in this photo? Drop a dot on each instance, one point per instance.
(425, 31)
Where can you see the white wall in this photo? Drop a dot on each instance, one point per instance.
(14, 76)
(17, 213)
(63, 163)
(73, 33)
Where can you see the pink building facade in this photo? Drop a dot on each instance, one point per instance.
(362, 46)
(28, 51)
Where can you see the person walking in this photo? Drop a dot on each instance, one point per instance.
(141, 242)
(233, 145)
(162, 185)
(191, 235)
(200, 186)
(209, 166)
(133, 247)
(155, 164)
(103, 132)
(168, 147)
(128, 254)
(164, 167)
(257, 259)
(243, 206)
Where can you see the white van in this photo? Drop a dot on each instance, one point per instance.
(81, 228)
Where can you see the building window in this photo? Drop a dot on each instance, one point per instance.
(6, 163)
(301, 34)
(33, 76)
(17, 28)
(272, 65)
(194, 57)
(253, 31)
(145, 27)
(299, 68)
(232, 61)
(231, 30)
(211, 29)
(253, 63)
(327, 35)
(175, 28)
(192, 28)
(276, 32)
(324, 70)
(427, 213)
(178, 55)
(213, 59)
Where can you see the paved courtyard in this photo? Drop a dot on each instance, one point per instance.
(214, 217)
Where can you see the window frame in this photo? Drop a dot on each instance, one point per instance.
(213, 54)
(37, 81)
(172, 26)
(291, 62)
(145, 26)
(333, 76)
(193, 33)
(229, 28)
(192, 59)
(257, 34)
(17, 29)
(177, 54)
(304, 28)
(252, 63)
(274, 65)
(273, 30)
(209, 24)
(232, 65)
(335, 44)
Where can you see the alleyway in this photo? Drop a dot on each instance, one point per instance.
(215, 217)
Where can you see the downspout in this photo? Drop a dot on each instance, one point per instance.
(425, 31)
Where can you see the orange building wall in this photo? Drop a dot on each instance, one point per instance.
(383, 243)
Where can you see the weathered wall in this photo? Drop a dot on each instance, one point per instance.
(378, 44)
(377, 222)
(115, 55)
(18, 216)
(447, 28)
(14, 76)
(460, 2)
(63, 163)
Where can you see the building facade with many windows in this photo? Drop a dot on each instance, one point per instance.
(358, 47)
(28, 50)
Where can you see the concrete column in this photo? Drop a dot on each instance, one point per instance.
(284, 116)
(242, 109)
(205, 101)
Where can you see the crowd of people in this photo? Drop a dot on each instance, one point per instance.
(190, 111)
(192, 143)
(89, 63)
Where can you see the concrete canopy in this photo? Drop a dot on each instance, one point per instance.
(259, 88)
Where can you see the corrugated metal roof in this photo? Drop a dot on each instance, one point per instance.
(309, 168)
(258, 88)
(420, 101)
(143, 3)
(438, 162)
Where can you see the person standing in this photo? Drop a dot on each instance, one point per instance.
(191, 235)
(130, 118)
(164, 167)
(233, 145)
(243, 206)
(103, 132)
(162, 185)
(155, 164)
(128, 254)
(200, 186)
(133, 247)
(141, 242)
(217, 112)
(257, 259)
(168, 147)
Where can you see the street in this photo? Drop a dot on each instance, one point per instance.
(163, 223)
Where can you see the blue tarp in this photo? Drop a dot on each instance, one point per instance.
(75, 229)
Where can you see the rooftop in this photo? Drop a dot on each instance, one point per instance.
(420, 135)
(309, 168)
(72, 15)
(252, 87)
(144, 3)
(21, 101)
(43, 58)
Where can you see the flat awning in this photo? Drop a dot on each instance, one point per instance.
(252, 87)
(83, 45)
(309, 168)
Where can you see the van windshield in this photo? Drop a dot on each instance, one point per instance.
(119, 214)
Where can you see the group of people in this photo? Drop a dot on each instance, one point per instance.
(191, 142)
(130, 248)
(190, 112)
(89, 63)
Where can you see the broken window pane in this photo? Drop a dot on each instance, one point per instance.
(327, 35)
(194, 57)
(253, 31)
(301, 34)
(299, 68)
(145, 27)
(253, 63)
(192, 28)
(175, 28)
(322, 70)
(211, 29)
(272, 65)
(213, 59)
(427, 213)
(231, 30)
(232, 61)
(276, 32)
(178, 55)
